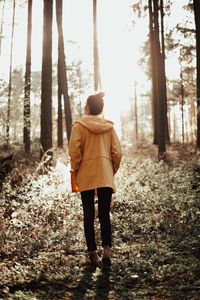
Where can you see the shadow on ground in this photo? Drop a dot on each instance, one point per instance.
(95, 283)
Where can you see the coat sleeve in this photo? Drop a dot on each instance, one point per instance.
(116, 152)
(75, 149)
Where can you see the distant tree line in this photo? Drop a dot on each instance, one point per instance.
(162, 96)
(65, 78)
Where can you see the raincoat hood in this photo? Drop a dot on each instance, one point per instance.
(95, 124)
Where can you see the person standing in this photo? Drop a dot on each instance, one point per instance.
(95, 156)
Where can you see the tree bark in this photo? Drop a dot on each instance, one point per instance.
(62, 76)
(164, 73)
(182, 105)
(161, 98)
(60, 114)
(10, 78)
(97, 78)
(196, 4)
(27, 89)
(46, 96)
(153, 74)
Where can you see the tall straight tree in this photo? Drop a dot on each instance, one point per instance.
(10, 78)
(97, 77)
(164, 87)
(159, 85)
(136, 113)
(46, 95)
(59, 93)
(27, 89)
(182, 99)
(153, 73)
(60, 114)
(62, 75)
(196, 4)
(157, 54)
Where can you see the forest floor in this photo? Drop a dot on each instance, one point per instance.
(156, 232)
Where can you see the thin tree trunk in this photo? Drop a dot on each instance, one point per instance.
(164, 73)
(60, 114)
(174, 126)
(182, 106)
(10, 79)
(192, 118)
(136, 114)
(97, 78)
(62, 67)
(153, 74)
(2, 21)
(27, 89)
(161, 98)
(80, 84)
(46, 96)
(196, 4)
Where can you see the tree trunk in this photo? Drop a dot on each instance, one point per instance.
(60, 114)
(27, 89)
(97, 78)
(174, 126)
(161, 98)
(153, 74)
(46, 96)
(63, 83)
(196, 4)
(10, 79)
(182, 106)
(192, 118)
(2, 21)
(136, 114)
(164, 73)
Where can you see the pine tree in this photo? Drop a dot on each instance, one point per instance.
(10, 78)
(62, 72)
(46, 95)
(27, 89)
(157, 55)
(97, 78)
(196, 4)
(159, 85)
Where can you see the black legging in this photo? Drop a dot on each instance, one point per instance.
(104, 199)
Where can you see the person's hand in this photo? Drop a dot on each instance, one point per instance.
(74, 185)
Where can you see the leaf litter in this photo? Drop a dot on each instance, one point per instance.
(155, 215)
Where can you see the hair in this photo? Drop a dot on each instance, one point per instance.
(95, 103)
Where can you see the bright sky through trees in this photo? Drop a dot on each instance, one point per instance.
(119, 45)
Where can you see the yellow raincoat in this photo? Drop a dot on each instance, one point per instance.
(95, 153)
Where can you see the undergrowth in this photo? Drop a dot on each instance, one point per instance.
(155, 215)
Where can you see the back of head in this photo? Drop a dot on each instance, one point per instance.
(95, 103)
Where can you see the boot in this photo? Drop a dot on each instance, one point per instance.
(106, 256)
(94, 259)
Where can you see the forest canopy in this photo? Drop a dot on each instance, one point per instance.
(92, 58)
